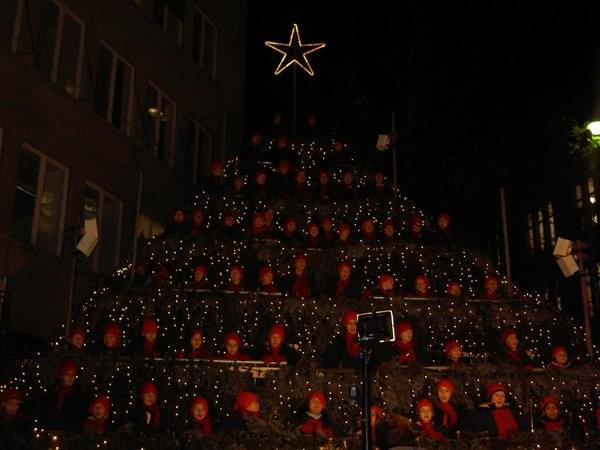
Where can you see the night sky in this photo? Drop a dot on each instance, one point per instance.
(484, 94)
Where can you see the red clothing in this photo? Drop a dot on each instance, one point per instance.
(406, 352)
(315, 425)
(274, 357)
(340, 286)
(95, 426)
(450, 417)
(301, 286)
(205, 425)
(269, 289)
(430, 432)
(149, 350)
(553, 425)
(237, 357)
(505, 422)
(352, 345)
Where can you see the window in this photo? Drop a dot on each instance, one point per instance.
(40, 200)
(530, 233)
(114, 89)
(161, 115)
(148, 228)
(198, 151)
(204, 42)
(168, 15)
(578, 196)
(108, 212)
(540, 226)
(551, 229)
(56, 43)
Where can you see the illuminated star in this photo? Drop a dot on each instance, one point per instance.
(294, 52)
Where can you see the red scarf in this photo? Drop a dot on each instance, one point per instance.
(200, 353)
(149, 351)
(301, 287)
(274, 356)
(514, 356)
(314, 426)
(340, 286)
(406, 351)
(505, 422)
(450, 417)
(93, 425)
(352, 345)
(428, 430)
(205, 424)
(237, 357)
(234, 287)
(154, 412)
(554, 425)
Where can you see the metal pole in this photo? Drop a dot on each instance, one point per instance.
(71, 293)
(294, 103)
(505, 233)
(137, 223)
(365, 356)
(587, 328)
(394, 166)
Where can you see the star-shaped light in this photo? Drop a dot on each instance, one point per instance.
(294, 52)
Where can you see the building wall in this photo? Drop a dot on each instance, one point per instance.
(42, 113)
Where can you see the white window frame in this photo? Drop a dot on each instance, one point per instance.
(201, 57)
(196, 157)
(44, 159)
(117, 57)
(99, 216)
(160, 98)
(62, 11)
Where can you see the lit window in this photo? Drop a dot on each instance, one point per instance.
(108, 212)
(578, 196)
(149, 228)
(551, 229)
(114, 89)
(540, 226)
(40, 200)
(204, 42)
(530, 233)
(198, 151)
(161, 115)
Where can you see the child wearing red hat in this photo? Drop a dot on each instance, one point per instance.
(344, 232)
(246, 411)
(301, 282)
(313, 238)
(389, 231)
(236, 279)
(99, 410)
(12, 420)
(314, 420)
(178, 227)
(147, 415)
(277, 352)
(344, 286)
(257, 228)
(551, 418)
(425, 415)
(454, 290)
(510, 352)
(290, 235)
(560, 358)
(385, 285)
(344, 351)
(496, 414)
(200, 417)
(324, 191)
(196, 349)
(199, 278)
(232, 344)
(450, 418)
(421, 286)
(111, 338)
(404, 344)
(266, 284)
(416, 231)
(453, 351)
(197, 226)
(490, 287)
(149, 333)
(328, 236)
(76, 340)
(367, 231)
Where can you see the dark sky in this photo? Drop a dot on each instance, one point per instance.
(483, 91)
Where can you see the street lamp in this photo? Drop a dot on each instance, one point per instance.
(594, 128)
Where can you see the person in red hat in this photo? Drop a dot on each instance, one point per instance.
(324, 191)
(443, 233)
(405, 350)
(76, 340)
(200, 417)
(454, 290)
(385, 285)
(269, 215)
(277, 351)
(228, 229)
(313, 238)
(246, 411)
(147, 414)
(64, 406)
(450, 418)
(379, 190)
(266, 281)
(328, 236)
(454, 352)
(345, 285)
(236, 279)
(344, 233)
(425, 415)
(551, 417)
(238, 187)
(491, 285)
(260, 192)
(12, 421)
(560, 358)
(283, 182)
(257, 228)
(301, 192)
(196, 348)
(111, 338)
(377, 416)
(367, 231)
(416, 229)
(301, 283)
(421, 286)
(97, 421)
(213, 182)
(389, 231)
(197, 228)
(160, 276)
(200, 278)
(344, 351)
(510, 352)
(178, 227)
(232, 343)
(314, 419)
(496, 415)
(348, 191)
(290, 235)
(149, 345)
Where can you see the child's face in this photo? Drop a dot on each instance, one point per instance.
(344, 234)
(551, 411)
(68, 378)
(561, 357)
(327, 225)
(301, 177)
(149, 398)
(351, 327)
(290, 227)
(323, 178)
(99, 411)
(455, 354)
(406, 335)
(368, 226)
(232, 346)
(150, 336)
(388, 231)
(199, 412)
(11, 407)
(442, 222)
(338, 146)
(255, 139)
(267, 279)
(348, 178)
(444, 394)
(254, 407)
(300, 264)
(196, 341)
(491, 285)
(421, 286)
(425, 414)
(387, 285)
(260, 178)
(238, 183)
(512, 342)
(498, 399)
(179, 216)
(284, 168)
(416, 227)
(228, 221)
(198, 218)
(198, 274)
(344, 273)
(110, 340)
(259, 222)
(454, 290)
(313, 231)
(275, 340)
(315, 406)
(77, 341)
(236, 276)
(378, 178)
(269, 214)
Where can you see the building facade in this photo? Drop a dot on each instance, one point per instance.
(108, 110)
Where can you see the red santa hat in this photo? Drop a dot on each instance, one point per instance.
(319, 396)
(451, 345)
(11, 394)
(243, 401)
(148, 388)
(323, 172)
(389, 222)
(101, 400)
(196, 331)
(264, 271)
(214, 165)
(493, 388)
(149, 326)
(451, 285)
(444, 215)
(77, 330)
(277, 329)
(68, 366)
(299, 257)
(416, 218)
(200, 268)
(506, 333)
(349, 316)
(344, 227)
(424, 403)
(237, 268)
(343, 265)
(402, 327)
(558, 348)
(445, 382)
(384, 278)
(546, 399)
(233, 336)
